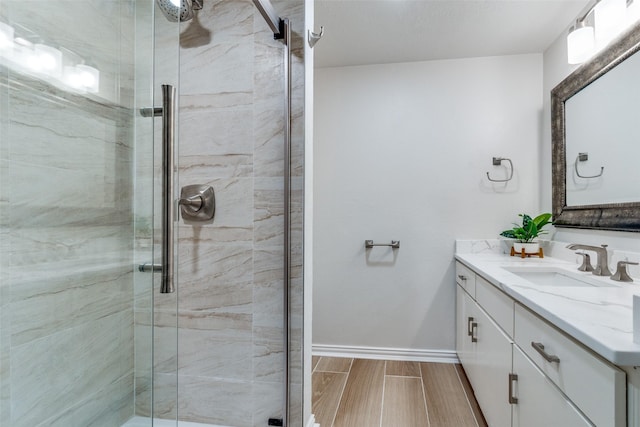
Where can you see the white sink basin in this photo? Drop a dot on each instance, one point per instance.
(545, 276)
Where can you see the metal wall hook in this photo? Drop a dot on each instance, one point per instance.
(313, 38)
(497, 161)
(583, 157)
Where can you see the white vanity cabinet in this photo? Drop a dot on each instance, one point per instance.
(524, 372)
(539, 402)
(485, 352)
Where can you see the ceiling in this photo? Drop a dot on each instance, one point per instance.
(360, 32)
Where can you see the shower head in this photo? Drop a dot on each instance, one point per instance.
(179, 10)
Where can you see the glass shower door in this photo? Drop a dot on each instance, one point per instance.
(85, 337)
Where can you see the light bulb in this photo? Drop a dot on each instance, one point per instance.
(72, 78)
(580, 44)
(89, 78)
(49, 60)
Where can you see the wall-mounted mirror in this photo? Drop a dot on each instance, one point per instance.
(596, 140)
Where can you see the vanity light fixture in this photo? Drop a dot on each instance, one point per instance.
(600, 24)
(580, 42)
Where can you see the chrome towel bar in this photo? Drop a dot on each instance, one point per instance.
(395, 244)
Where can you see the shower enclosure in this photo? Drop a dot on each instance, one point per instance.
(89, 336)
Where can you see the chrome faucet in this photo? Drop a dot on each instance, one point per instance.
(602, 264)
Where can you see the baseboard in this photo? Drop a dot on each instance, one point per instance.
(312, 422)
(383, 353)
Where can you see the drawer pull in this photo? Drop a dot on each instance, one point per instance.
(474, 328)
(469, 320)
(461, 277)
(512, 378)
(540, 349)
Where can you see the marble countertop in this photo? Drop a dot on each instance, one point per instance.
(601, 318)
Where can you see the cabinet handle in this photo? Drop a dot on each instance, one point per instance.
(469, 320)
(474, 328)
(540, 349)
(461, 277)
(512, 378)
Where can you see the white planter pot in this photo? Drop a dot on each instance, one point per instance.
(529, 248)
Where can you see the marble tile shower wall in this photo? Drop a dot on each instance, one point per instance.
(66, 315)
(230, 318)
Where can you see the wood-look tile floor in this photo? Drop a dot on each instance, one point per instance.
(378, 393)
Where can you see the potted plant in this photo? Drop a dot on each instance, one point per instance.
(525, 233)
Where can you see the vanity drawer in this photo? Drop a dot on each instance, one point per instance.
(466, 278)
(495, 302)
(594, 385)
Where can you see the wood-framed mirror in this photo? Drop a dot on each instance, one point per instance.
(596, 140)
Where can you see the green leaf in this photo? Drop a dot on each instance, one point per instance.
(530, 228)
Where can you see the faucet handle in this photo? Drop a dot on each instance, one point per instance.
(586, 262)
(621, 274)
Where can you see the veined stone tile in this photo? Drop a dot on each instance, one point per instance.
(73, 364)
(5, 355)
(219, 62)
(156, 346)
(268, 402)
(207, 133)
(268, 80)
(229, 325)
(66, 137)
(268, 157)
(143, 361)
(268, 265)
(226, 20)
(268, 360)
(208, 400)
(48, 191)
(269, 211)
(91, 247)
(111, 405)
(212, 353)
(201, 168)
(268, 292)
(212, 234)
(142, 392)
(165, 390)
(46, 307)
(202, 295)
(214, 277)
(217, 101)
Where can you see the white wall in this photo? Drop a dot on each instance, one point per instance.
(401, 152)
(555, 70)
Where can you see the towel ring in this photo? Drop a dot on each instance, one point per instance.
(497, 161)
(583, 157)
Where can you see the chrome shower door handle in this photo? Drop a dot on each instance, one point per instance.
(168, 168)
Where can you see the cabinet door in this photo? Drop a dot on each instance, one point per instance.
(540, 403)
(492, 369)
(464, 317)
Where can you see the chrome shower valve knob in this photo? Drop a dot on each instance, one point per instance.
(197, 203)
